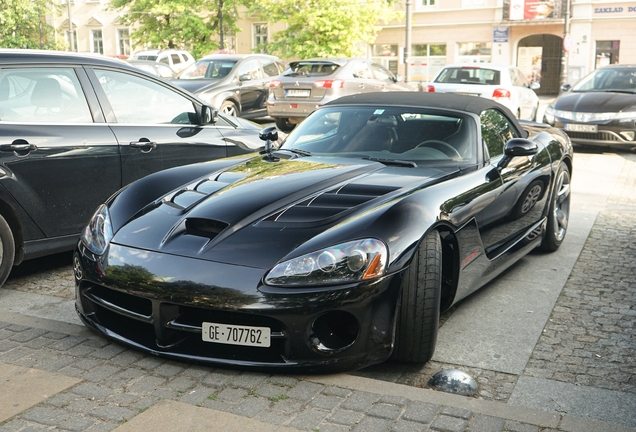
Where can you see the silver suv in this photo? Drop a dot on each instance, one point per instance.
(176, 59)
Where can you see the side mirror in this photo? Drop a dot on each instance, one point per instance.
(566, 87)
(517, 147)
(534, 85)
(399, 78)
(209, 115)
(245, 77)
(270, 136)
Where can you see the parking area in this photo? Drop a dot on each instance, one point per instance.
(551, 344)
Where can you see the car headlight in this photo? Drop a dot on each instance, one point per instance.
(347, 262)
(99, 231)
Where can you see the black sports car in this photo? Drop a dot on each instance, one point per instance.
(335, 251)
(599, 110)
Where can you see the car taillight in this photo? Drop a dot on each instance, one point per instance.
(275, 83)
(330, 84)
(501, 94)
(429, 88)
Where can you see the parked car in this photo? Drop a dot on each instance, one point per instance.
(155, 68)
(307, 84)
(505, 84)
(176, 59)
(335, 251)
(235, 83)
(76, 128)
(600, 109)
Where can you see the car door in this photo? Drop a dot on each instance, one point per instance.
(253, 86)
(363, 80)
(155, 123)
(523, 195)
(385, 80)
(58, 158)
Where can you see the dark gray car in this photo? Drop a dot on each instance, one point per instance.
(307, 84)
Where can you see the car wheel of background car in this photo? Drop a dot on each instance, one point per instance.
(284, 124)
(442, 146)
(559, 211)
(7, 250)
(529, 198)
(418, 313)
(229, 108)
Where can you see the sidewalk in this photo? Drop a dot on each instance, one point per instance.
(581, 375)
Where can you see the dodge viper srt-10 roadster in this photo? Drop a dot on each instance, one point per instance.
(335, 250)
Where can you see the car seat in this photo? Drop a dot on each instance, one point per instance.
(47, 95)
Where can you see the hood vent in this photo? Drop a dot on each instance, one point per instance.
(330, 203)
(209, 228)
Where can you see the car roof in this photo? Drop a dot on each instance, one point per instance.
(470, 104)
(238, 56)
(28, 56)
(479, 66)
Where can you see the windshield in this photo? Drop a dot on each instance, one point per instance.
(608, 79)
(419, 136)
(469, 75)
(208, 69)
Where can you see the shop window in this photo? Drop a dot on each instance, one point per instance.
(426, 61)
(607, 52)
(474, 52)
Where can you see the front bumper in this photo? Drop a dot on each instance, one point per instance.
(158, 303)
(620, 135)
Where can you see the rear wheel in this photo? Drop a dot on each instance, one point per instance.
(284, 124)
(419, 304)
(229, 108)
(7, 250)
(559, 212)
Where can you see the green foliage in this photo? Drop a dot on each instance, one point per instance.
(184, 24)
(324, 28)
(20, 22)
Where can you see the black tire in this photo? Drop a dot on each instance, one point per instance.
(283, 124)
(229, 108)
(559, 211)
(7, 250)
(419, 304)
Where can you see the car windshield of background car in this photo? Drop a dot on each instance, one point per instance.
(469, 75)
(208, 69)
(387, 133)
(311, 69)
(608, 79)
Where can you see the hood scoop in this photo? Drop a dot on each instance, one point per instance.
(330, 203)
(209, 228)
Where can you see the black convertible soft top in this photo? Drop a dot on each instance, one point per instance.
(471, 104)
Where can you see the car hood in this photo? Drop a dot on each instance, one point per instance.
(595, 102)
(256, 212)
(197, 86)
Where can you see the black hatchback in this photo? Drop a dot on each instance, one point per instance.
(75, 128)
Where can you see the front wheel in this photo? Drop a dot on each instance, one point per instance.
(419, 304)
(7, 250)
(284, 124)
(559, 211)
(229, 108)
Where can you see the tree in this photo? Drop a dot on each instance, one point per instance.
(23, 24)
(184, 24)
(324, 28)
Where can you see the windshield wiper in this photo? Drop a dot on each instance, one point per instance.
(395, 162)
(296, 151)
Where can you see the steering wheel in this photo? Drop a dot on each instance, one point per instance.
(442, 146)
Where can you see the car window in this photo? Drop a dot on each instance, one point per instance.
(42, 95)
(381, 73)
(142, 101)
(164, 71)
(496, 131)
(251, 68)
(164, 59)
(362, 70)
(311, 68)
(270, 67)
(469, 75)
(176, 59)
(522, 81)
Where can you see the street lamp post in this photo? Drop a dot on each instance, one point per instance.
(566, 43)
(407, 44)
(70, 25)
(221, 25)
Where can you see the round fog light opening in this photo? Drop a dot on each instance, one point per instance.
(334, 331)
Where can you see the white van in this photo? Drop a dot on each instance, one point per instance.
(176, 59)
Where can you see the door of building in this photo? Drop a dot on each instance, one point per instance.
(545, 64)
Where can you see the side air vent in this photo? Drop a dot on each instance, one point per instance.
(204, 227)
(330, 203)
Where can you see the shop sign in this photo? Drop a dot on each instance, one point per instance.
(622, 9)
(532, 10)
(500, 34)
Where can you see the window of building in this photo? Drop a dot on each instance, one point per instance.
(426, 61)
(260, 36)
(97, 41)
(123, 42)
(607, 52)
(386, 55)
(474, 52)
(426, 3)
(68, 39)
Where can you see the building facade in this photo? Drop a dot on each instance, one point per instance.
(552, 41)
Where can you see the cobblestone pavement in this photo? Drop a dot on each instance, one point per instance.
(589, 340)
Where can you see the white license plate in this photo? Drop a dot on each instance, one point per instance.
(573, 127)
(298, 93)
(236, 335)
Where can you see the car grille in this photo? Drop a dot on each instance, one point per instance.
(176, 329)
(330, 203)
(595, 136)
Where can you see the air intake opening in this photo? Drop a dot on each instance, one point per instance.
(204, 227)
(334, 332)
